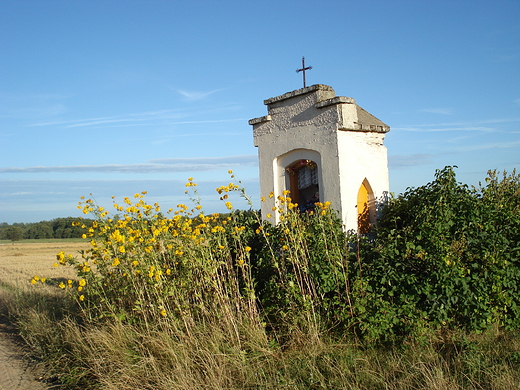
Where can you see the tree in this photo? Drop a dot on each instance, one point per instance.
(14, 233)
(39, 230)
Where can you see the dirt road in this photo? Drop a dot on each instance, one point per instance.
(16, 371)
(18, 263)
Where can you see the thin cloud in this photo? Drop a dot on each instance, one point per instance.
(134, 117)
(18, 193)
(459, 126)
(148, 118)
(401, 162)
(195, 95)
(246, 159)
(34, 112)
(491, 145)
(31, 96)
(442, 111)
(157, 166)
(423, 128)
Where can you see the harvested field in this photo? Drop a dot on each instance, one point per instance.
(20, 261)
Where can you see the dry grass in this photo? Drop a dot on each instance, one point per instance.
(20, 261)
(114, 355)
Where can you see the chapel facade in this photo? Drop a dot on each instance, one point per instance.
(322, 147)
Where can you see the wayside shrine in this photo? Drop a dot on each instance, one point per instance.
(322, 147)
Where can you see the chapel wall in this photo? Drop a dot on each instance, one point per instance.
(345, 142)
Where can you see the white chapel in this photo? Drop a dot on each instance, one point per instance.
(322, 147)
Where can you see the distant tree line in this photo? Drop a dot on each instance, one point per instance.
(56, 228)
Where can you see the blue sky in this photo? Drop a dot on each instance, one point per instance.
(117, 97)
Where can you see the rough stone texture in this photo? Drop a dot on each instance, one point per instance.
(344, 140)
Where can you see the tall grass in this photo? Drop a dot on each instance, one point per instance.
(193, 301)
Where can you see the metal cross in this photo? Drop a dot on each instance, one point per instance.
(303, 69)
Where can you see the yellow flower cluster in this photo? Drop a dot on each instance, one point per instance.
(141, 247)
(35, 279)
(141, 259)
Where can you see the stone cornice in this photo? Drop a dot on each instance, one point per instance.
(336, 100)
(302, 91)
(262, 119)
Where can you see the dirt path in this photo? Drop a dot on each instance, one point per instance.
(16, 371)
(18, 263)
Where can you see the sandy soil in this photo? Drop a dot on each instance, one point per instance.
(19, 262)
(17, 372)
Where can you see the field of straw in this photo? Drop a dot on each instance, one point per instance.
(20, 261)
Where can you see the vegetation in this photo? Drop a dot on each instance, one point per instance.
(13, 233)
(446, 257)
(57, 228)
(428, 300)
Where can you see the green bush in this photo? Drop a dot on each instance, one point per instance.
(446, 255)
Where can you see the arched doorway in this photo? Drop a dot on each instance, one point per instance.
(304, 183)
(365, 207)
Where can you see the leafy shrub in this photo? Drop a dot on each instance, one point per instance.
(446, 255)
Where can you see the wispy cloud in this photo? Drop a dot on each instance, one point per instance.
(425, 128)
(490, 145)
(148, 118)
(42, 111)
(156, 166)
(117, 168)
(442, 111)
(31, 96)
(133, 117)
(400, 162)
(482, 125)
(246, 159)
(197, 95)
(19, 105)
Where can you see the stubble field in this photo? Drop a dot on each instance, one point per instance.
(20, 261)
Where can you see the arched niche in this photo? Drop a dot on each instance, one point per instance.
(366, 212)
(299, 171)
(303, 182)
